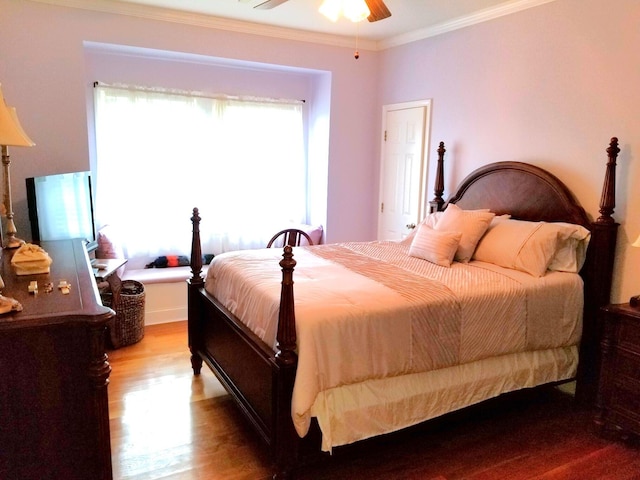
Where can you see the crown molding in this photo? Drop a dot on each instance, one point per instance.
(461, 22)
(209, 21)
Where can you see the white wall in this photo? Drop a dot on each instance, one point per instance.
(549, 85)
(45, 74)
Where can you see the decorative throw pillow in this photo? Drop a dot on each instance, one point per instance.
(472, 224)
(430, 221)
(435, 246)
(108, 245)
(168, 261)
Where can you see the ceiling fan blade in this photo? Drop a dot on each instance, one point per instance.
(378, 9)
(266, 5)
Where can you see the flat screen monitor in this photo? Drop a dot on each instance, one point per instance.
(61, 207)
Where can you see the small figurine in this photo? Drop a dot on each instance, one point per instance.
(8, 304)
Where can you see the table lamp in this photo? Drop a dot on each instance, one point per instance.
(11, 134)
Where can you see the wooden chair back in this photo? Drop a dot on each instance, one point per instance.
(291, 236)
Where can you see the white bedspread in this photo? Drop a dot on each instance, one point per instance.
(394, 315)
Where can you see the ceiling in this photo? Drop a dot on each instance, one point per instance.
(300, 19)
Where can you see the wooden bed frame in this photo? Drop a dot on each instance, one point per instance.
(261, 380)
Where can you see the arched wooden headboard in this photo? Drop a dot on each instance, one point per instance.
(528, 192)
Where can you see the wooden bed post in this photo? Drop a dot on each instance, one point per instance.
(608, 198)
(597, 280)
(193, 285)
(286, 336)
(436, 204)
(286, 442)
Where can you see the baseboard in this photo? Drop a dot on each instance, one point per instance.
(165, 316)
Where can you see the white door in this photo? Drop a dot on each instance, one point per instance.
(403, 170)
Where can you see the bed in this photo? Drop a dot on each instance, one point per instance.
(313, 375)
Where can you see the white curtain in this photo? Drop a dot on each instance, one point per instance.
(158, 155)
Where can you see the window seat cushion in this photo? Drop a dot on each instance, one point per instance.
(160, 275)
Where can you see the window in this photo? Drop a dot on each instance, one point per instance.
(159, 154)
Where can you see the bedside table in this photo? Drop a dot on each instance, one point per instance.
(618, 400)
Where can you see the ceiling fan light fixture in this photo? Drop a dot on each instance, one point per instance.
(354, 10)
(331, 9)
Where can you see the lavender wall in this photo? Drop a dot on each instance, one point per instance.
(45, 72)
(549, 85)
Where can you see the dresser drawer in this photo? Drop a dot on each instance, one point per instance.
(627, 365)
(625, 399)
(629, 335)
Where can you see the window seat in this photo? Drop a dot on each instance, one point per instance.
(160, 275)
(165, 292)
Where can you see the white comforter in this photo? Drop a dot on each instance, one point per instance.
(369, 311)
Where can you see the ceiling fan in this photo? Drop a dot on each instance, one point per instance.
(378, 9)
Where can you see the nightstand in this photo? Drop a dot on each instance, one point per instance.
(618, 400)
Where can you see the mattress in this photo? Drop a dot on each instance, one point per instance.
(369, 315)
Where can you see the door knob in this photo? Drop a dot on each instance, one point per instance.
(411, 226)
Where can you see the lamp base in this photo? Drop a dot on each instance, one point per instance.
(635, 301)
(13, 242)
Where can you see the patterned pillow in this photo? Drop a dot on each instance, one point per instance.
(435, 246)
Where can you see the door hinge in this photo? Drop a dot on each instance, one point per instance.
(382, 207)
(385, 135)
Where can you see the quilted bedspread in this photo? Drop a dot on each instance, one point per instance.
(370, 311)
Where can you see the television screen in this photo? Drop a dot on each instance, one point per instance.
(61, 207)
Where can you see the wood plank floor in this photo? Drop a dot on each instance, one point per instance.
(167, 423)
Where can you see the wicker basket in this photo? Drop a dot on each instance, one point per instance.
(127, 327)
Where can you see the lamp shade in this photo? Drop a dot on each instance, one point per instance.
(637, 242)
(11, 132)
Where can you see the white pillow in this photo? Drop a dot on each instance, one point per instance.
(430, 220)
(571, 250)
(434, 246)
(472, 224)
(530, 246)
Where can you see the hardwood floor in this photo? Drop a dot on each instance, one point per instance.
(167, 423)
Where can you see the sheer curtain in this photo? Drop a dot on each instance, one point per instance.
(159, 154)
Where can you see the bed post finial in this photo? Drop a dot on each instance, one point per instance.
(286, 336)
(436, 204)
(196, 250)
(608, 198)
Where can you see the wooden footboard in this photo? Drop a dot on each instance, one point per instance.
(261, 380)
